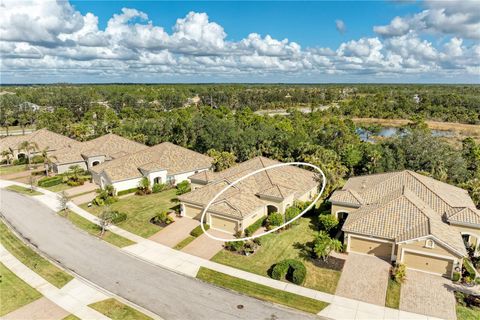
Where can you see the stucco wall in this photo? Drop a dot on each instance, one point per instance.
(62, 168)
(126, 184)
(338, 208)
(157, 174)
(261, 212)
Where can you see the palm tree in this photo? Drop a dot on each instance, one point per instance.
(8, 155)
(47, 160)
(28, 147)
(75, 172)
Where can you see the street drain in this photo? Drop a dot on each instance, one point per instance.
(240, 306)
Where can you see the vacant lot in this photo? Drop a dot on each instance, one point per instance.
(285, 245)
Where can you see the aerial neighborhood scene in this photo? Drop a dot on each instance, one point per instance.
(239, 160)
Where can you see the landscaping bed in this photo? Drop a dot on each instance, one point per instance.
(116, 310)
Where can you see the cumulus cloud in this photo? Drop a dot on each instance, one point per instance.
(340, 25)
(51, 40)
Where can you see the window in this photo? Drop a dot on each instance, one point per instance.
(157, 180)
(429, 244)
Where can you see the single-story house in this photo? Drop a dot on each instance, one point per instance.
(43, 138)
(268, 191)
(94, 152)
(408, 218)
(163, 163)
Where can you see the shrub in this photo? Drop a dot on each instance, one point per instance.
(274, 219)
(291, 213)
(290, 269)
(250, 230)
(105, 197)
(123, 192)
(159, 187)
(456, 276)
(50, 181)
(118, 216)
(328, 222)
(468, 267)
(399, 273)
(183, 187)
(197, 231)
(36, 159)
(98, 201)
(235, 246)
(74, 183)
(162, 217)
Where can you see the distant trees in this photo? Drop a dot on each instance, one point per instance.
(222, 160)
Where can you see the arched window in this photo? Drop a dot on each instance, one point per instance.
(271, 209)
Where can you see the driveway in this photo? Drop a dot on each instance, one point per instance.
(206, 247)
(86, 187)
(166, 293)
(175, 232)
(41, 309)
(427, 294)
(364, 278)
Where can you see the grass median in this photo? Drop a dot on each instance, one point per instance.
(392, 299)
(23, 190)
(116, 310)
(33, 260)
(260, 291)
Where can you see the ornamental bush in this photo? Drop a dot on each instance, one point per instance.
(162, 217)
(183, 187)
(327, 222)
(291, 213)
(274, 219)
(250, 230)
(290, 269)
(159, 187)
(50, 181)
(118, 216)
(235, 246)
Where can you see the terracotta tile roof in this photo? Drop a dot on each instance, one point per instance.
(110, 145)
(278, 182)
(43, 138)
(164, 156)
(406, 205)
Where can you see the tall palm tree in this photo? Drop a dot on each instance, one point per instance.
(8, 155)
(28, 147)
(47, 160)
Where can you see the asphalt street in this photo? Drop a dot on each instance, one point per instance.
(164, 292)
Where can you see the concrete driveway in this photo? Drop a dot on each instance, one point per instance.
(175, 232)
(364, 278)
(206, 247)
(41, 309)
(428, 294)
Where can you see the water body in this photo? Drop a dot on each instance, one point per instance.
(388, 132)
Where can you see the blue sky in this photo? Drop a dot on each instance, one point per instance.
(240, 41)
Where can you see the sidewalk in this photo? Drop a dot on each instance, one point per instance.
(183, 263)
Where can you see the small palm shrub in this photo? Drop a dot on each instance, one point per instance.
(399, 273)
(162, 218)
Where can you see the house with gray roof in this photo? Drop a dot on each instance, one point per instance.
(273, 190)
(408, 218)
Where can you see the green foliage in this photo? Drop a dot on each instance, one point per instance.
(327, 222)
(144, 186)
(456, 276)
(236, 246)
(50, 181)
(118, 216)
(250, 230)
(105, 197)
(197, 231)
(163, 218)
(159, 187)
(183, 187)
(323, 245)
(399, 273)
(222, 160)
(274, 219)
(292, 270)
(127, 191)
(469, 268)
(290, 213)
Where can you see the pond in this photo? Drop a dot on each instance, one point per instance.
(387, 132)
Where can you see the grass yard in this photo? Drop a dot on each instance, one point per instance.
(12, 169)
(260, 291)
(14, 292)
(466, 313)
(33, 260)
(23, 190)
(182, 244)
(94, 229)
(139, 210)
(58, 187)
(277, 247)
(392, 300)
(71, 317)
(116, 310)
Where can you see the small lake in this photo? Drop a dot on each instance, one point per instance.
(387, 132)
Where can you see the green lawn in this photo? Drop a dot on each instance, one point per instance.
(33, 260)
(58, 187)
(139, 210)
(116, 310)
(12, 169)
(466, 313)
(277, 247)
(182, 244)
(14, 292)
(23, 190)
(94, 229)
(71, 317)
(392, 300)
(260, 291)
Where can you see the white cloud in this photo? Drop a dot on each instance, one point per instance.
(340, 25)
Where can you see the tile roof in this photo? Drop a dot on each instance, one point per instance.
(42, 137)
(277, 182)
(406, 205)
(164, 156)
(110, 145)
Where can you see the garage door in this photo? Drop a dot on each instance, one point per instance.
(224, 224)
(382, 250)
(428, 263)
(193, 212)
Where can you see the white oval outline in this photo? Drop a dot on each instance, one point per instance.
(278, 165)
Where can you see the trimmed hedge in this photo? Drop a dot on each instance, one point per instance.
(290, 269)
(250, 230)
(123, 192)
(50, 181)
(197, 231)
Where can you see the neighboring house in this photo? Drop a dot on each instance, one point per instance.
(241, 205)
(43, 138)
(408, 218)
(163, 163)
(94, 152)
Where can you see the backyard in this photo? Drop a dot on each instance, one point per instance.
(285, 245)
(139, 211)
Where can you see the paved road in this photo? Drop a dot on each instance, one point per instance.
(168, 294)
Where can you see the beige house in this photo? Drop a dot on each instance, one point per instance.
(269, 191)
(163, 163)
(408, 218)
(94, 152)
(43, 138)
